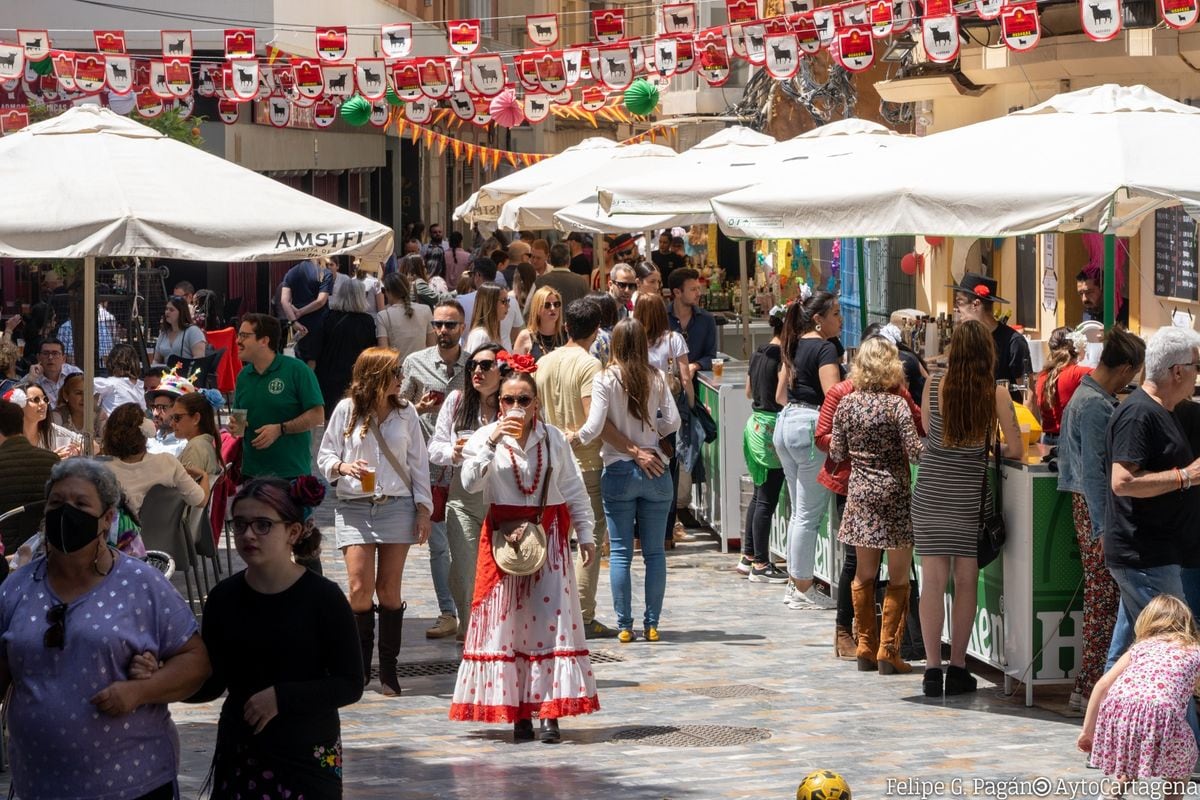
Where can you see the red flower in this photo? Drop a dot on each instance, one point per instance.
(522, 363)
(308, 491)
(982, 290)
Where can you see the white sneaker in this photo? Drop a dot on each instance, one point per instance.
(1075, 702)
(790, 594)
(811, 600)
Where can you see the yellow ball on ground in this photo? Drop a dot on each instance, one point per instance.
(823, 784)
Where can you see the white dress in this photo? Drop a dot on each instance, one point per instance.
(525, 653)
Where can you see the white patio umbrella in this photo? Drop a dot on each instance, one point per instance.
(90, 183)
(1118, 156)
(485, 204)
(535, 210)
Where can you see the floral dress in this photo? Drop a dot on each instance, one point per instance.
(1141, 729)
(875, 430)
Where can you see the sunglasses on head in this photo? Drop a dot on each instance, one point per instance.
(441, 324)
(523, 401)
(56, 634)
(553, 304)
(483, 365)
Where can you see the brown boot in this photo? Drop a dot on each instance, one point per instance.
(864, 617)
(891, 633)
(843, 644)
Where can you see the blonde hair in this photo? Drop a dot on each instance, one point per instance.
(540, 298)
(1168, 617)
(876, 366)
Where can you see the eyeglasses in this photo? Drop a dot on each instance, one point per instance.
(50, 354)
(178, 417)
(260, 525)
(624, 285)
(553, 304)
(441, 324)
(1189, 364)
(56, 634)
(162, 406)
(37, 400)
(242, 335)
(483, 365)
(523, 401)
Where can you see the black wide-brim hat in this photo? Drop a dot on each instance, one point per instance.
(979, 286)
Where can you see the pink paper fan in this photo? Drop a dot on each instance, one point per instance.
(506, 109)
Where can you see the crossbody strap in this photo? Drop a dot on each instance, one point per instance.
(997, 501)
(401, 470)
(545, 480)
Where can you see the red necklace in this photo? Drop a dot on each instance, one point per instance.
(517, 472)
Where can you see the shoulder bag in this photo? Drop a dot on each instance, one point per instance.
(519, 546)
(992, 531)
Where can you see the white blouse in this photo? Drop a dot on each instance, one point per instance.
(490, 470)
(610, 401)
(401, 430)
(441, 443)
(670, 347)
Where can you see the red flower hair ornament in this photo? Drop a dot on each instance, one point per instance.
(518, 362)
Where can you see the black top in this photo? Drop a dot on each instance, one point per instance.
(764, 377)
(1122, 315)
(302, 641)
(1188, 414)
(811, 354)
(912, 374)
(306, 282)
(345, 335)
(581, 265)
(1150, 531)
(1012, 355)
(666, 262)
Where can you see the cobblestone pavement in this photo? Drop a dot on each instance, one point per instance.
(741, 698)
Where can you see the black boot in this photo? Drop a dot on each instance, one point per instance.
(391, 629)
(365, 622)
(549, 733)
(959, 680)
(932, 682)
(523, 730)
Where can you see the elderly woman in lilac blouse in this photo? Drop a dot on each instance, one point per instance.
(94, 644)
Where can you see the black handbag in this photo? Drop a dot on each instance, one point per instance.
(992, 531)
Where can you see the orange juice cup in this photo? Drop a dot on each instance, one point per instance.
(718, 368)
(368, 480)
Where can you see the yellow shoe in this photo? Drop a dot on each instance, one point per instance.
(625, 636)
(651, 634)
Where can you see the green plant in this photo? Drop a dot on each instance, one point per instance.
(169, 123)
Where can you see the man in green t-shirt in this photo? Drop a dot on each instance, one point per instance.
(282, 400)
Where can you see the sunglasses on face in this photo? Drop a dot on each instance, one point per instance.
(505, 301)
(37, 400)
(56, 634)
(623, 285)
(178, 417)
(483, 365)
(523, 401)
(260, 525)
(553, 304)
(441, 324)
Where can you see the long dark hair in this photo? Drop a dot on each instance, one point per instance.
(470, 404)
(196, 403)
(631, 361)
(968, 401)
(801, 319)
(185, 313)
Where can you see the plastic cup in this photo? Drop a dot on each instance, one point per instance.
(718, 368)
(238, 416)
(460, 437)
(368, 480)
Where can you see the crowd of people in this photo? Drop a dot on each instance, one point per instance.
(495, 407)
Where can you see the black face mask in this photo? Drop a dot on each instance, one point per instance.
(69, 528)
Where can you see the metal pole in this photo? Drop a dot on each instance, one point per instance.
(1110, 280)
(860, 250)
(85, 341)
(744, 277)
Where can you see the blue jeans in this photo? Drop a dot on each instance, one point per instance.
(801, 460)
(439, 568)
(631, 495)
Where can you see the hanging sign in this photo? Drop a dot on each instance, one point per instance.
(714, 57)
(310, 81)
(110, 41)
(536, 107)
(665, 52)
(339, 79)
(616, 66)
(487, 74)
(855, 14)
(1020, 25)
(542, 29)
(741, 11)
(807, 38)
(324, 112)
(13, 120)
(228, 111)
(573, 65)
(396, 39)
(158, 81)
(823, 19)
(783, 55)
(12, 62)
(206, 83)
(148, 104)
(638, 51)
(64, 69)
(89, 73)
(35, 43)
(798, 6)
(989, 9)
(679, 18)
(526, 67)
(369, 75)
(176, 43)
(184, 106)
(754, 37)
(1102, 19)
(245, 75)
(902, 15)
(177, 74)
(609, 25)
(551, 75)
(463, 105)
(463, 36)
(855, 48)
(279, 111)
(435, 81)
(239, 43)
(939, 31)
(406, 83)
(593, 98)
(331, 43)
(1179, 14)
(419, 110)
(685, 55)
(881, 19)
(380, 114)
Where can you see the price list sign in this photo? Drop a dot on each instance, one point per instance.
(1175, 255)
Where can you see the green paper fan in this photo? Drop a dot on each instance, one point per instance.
(43, 67)
(356, 110)
(641, 97)
(392, 98)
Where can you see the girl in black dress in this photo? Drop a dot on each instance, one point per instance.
(282, 642)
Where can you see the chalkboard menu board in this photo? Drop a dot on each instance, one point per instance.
(1175, 254)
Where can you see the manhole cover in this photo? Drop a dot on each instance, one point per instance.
(605, 657)
(421, 669)
(734, 690)
(691, 735)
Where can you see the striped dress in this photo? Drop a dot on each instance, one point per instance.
(945, 503)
